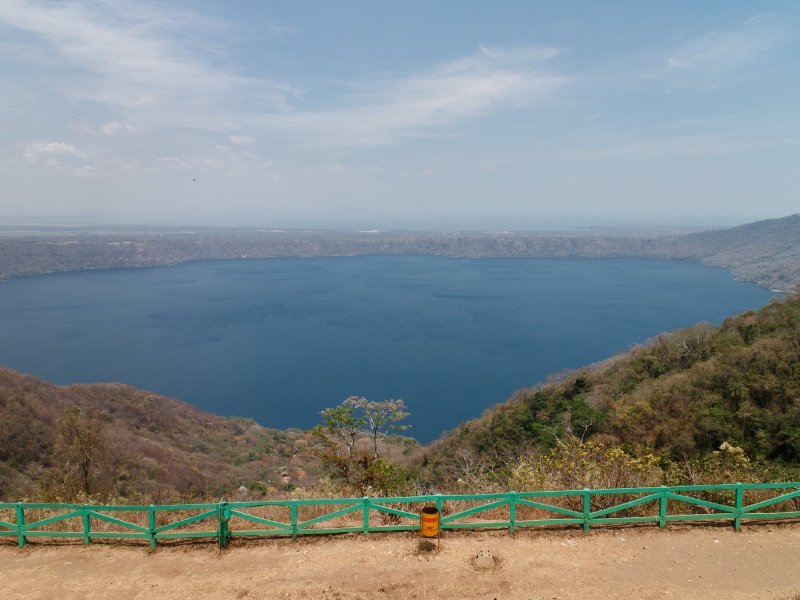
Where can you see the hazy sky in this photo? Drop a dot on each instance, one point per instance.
(361, 113)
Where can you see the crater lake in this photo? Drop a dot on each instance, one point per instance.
(280, 339)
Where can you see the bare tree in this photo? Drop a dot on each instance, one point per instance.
(80, 445)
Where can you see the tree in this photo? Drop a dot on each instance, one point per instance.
(379, 417)
(80, 444)
(340, 431)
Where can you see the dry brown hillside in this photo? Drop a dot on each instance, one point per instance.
(155, 448)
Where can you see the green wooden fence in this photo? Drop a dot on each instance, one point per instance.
(223, 521)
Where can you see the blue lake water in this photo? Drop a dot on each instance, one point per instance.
(281, 339)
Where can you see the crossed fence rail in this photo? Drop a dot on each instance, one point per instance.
(223, 521)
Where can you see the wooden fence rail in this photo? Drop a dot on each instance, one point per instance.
(223, 521)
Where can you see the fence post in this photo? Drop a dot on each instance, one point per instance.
(587, 501)
(151, 523)
(293, 510)
(737, 520)
(662, 507)
(438, 503)
(21, 539)
(223, 514)
(512, 512)
(365, 516)
(87, 525)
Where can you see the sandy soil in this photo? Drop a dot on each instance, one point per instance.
(761, 561)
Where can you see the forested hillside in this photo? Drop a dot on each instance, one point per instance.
(702, 404)
(680, 397)
(140, 446)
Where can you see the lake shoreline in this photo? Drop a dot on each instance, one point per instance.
(763, 252)
(280, 339)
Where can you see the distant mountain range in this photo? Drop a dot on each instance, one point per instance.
(766, 252)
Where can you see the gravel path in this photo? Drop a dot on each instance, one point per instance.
(761, 561)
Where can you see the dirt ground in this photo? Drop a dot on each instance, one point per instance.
(761, 561)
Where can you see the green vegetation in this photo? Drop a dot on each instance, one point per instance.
(111, 442)
(700, 405)
(697, 406)
(362, 470)
(60, 443)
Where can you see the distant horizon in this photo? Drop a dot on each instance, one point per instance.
(473, 225)
(352, 115)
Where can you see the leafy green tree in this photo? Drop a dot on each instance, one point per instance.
(339, 432)
(379, 418)
(358, 419)
(343, 424)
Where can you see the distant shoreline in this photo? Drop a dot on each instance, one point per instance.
(227, 336)
(4, 278)
(766, 253)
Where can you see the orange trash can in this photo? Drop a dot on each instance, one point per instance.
(429, 522)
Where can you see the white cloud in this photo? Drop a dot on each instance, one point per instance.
(218, 160)
(241, 140)
(173, 162)
(82, 127)
(36, 150)
(86, 172)
(705, 59)
(681, 140)
(430, 102)
(163, 67)
(115, 127)
(519, 53)
(140, 57)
